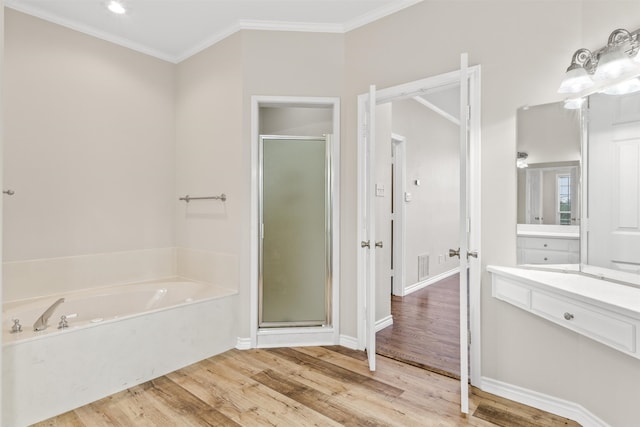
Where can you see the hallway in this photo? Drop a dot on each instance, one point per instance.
(425, 330)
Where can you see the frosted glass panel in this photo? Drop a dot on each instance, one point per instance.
(295, 241)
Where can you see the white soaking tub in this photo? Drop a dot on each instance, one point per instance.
(116, 337)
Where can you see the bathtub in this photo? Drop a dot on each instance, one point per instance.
(116, 337)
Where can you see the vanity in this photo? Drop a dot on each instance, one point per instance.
(604, 311)
(548, 244)
(578, 224)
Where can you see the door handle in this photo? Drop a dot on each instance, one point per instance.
(379, 244)
(454, 252)
(365, 244)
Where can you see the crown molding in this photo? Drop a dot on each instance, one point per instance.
(378, 14)
(85, 29)
(217, 37)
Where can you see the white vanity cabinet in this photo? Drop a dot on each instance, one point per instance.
(603, 311)
(548, 244)
(548, 250)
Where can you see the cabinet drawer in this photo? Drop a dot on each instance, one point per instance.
(511, 292)
(544, 243)
(590, 322)
(533, 256)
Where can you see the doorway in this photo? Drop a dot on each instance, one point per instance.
(295, 224)
(469, 139)
(424, 208)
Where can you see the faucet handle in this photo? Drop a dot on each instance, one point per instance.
(17, 327)
(63, 322)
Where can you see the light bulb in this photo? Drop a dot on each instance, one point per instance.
(116, 7)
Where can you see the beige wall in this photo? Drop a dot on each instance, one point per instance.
(89, 144)
(523, 48)
(79, 87)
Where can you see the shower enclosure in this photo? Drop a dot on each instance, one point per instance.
(295, 233)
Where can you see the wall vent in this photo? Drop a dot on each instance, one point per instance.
(423, 267)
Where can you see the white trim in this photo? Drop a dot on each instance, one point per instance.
(242, 24)
(379, 14)
(296, 337)
(475, 211)
(349, 342)
(325, 335)
(430, 281)
(545, 402)
(85, 29)
(404, 91)
(398, 145)
(243, 343)
(384, 322)
(437, 110)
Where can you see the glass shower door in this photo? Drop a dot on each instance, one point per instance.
(295, 273)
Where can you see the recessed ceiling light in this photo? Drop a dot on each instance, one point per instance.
(116, 7)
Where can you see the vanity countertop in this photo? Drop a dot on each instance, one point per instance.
(617, 297)
(547, 230)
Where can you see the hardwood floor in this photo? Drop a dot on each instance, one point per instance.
(307, 386)
(426, 328)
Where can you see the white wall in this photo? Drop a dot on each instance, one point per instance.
(432, 225)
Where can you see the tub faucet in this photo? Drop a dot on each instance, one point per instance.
(41, 323)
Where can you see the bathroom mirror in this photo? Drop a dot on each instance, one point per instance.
(612, 171)
(548, 166)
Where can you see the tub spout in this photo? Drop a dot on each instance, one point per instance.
(41, 323)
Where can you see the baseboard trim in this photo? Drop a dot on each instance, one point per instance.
(561, 407)
(383, 323)
(243, 343)
(430, 281)
(349, 342)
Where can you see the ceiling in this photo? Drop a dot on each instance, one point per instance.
(173, 30)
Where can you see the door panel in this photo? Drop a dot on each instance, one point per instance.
(614, 175)
(464, 234)
(294, 270)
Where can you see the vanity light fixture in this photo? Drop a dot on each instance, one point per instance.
(601, 68)
(521, 160)
(116, 7)
(573, 103)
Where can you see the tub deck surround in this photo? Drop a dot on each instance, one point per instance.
(92, 307)
(177, 323)
(604, 311)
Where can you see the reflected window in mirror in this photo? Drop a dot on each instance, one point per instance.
(548, 166)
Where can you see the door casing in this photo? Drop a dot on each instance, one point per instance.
(405, 91)
(294, 336)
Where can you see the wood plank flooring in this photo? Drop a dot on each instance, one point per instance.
(305, 386)
(426, 328)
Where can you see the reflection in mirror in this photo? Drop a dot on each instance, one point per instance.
(548, 162)
(613, 194)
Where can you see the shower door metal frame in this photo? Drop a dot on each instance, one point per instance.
(328, 215)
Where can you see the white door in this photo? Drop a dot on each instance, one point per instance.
(370, 232)
(614, 176)
(470, 271)
(465, 227)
